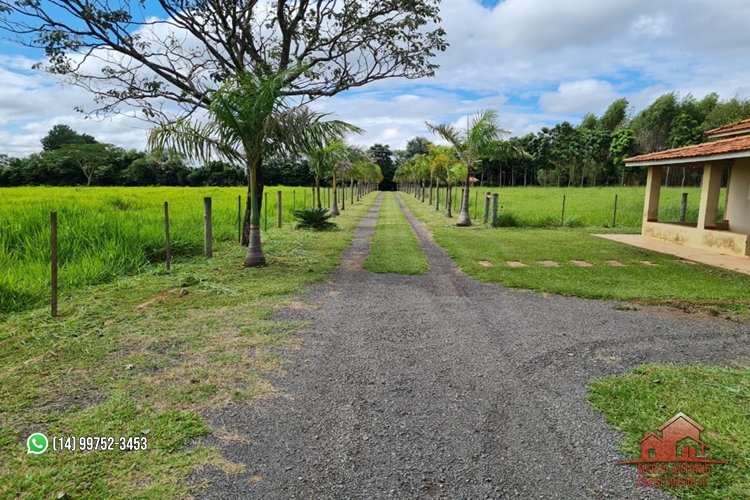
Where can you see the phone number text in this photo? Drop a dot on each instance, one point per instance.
(99, 443)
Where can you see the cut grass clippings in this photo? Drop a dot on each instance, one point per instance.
(141, 357)
(395, 249)
(669, 281)
(717, 398)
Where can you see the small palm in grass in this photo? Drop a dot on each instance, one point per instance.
(314, 218)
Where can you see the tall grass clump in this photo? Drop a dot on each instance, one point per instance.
(104, 233)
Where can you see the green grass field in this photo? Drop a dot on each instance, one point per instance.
(668, 280)
(142, 355)
(105, 233)
(394, 247)
(584, 207)
(642, 400)
(717, 398)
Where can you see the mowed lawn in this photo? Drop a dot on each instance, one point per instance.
(142, 355)
(716, 397)
(584, 207)
(394, 249)
(616, 271)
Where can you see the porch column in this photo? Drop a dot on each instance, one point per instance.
(726, 198)
(653, 189)
(710, 190)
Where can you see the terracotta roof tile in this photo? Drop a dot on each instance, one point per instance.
(735, 128)
(733, 145)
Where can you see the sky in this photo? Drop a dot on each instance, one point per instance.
(538, 62)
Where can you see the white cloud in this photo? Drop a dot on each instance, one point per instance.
(537, 61)
(581, 96)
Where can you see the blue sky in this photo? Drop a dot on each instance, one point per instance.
(537, 61)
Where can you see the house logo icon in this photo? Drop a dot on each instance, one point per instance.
(680, 441)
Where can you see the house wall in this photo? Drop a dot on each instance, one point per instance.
(738, 203)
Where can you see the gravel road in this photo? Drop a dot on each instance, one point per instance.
(439, 386)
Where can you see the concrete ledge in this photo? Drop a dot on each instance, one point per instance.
(722, 242)
(732, 263)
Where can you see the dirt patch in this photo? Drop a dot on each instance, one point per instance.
(581, 263)
(548, 263)
(157, 298)
(484, 263)
(614, 263)
(515, 263)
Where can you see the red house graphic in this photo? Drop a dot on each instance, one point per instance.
(679, 442)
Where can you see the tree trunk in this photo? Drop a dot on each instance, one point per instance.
(335, 206)
(464, 220)
(448, 201)
(317, 191)
(249, 205)
(255, 257)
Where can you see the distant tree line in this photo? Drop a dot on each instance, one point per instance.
(592, 153)
(588, 154)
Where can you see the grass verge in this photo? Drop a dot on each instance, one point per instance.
(717, 398)
(141, 357)
(395, 249)
(667, 280)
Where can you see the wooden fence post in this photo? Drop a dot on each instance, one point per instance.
(239, 219)
(166, 233)
(562, 217)
(265, 211)
(487, 199)
(208, 227)
(437, 198)
(495, 206)
(53, 249)
(614, 216)
(476, 202)
(278, 208)
(683, 208)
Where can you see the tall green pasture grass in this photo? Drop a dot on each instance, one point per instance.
(584, 207)
(104, 233)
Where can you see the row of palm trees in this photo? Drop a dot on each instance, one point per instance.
(449, 165)
(248, 120)
(340, 162)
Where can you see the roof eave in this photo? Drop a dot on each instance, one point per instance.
(727, 134)
(695, 159)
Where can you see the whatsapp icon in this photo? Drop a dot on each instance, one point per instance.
(37, 443)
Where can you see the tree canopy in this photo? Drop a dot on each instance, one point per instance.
(184, 49)
(61, 135)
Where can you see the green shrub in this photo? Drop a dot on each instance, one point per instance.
(314, 218)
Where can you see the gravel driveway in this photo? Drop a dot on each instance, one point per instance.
(440, 386)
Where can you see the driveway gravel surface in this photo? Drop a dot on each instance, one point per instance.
(440, 386)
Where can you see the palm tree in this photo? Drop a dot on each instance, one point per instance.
(343, 157)
(482, 138)
(445, 168)
(247, 119)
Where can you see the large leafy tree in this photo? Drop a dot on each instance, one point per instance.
(480, 139)
(247, 119)
(180, 51)
(383, 156)
(169, 60)
(61, 135)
